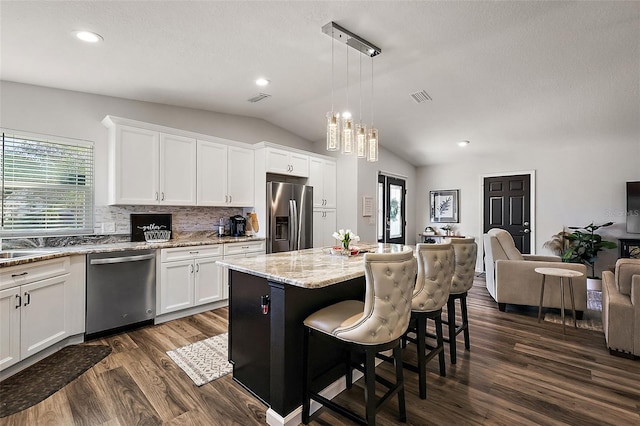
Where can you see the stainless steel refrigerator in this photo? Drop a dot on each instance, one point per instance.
(289, 217)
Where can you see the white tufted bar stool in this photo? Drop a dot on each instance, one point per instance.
(433, 283)
(466, 251)
(364, 329)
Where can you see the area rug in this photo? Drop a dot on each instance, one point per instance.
(34, 384)
(592, 318)
(205, 360)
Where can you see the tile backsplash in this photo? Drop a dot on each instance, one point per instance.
(184, 219)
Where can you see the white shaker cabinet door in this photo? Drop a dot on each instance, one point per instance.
(177, 170)
(299, 164)
(208, 284)
(10, 304)
(240, 181)
(212, 174)
(176, 285)
(45, 314)
(329, 170)
(316, 179)
(277, 161)
(134, 175)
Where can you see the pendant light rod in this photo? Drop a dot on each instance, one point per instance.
(350, 39)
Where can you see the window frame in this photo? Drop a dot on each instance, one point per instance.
(56, 225)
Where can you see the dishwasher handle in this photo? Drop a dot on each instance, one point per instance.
(125, 259)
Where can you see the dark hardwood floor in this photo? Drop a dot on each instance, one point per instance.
(518, 372)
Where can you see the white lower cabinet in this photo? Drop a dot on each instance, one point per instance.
(40, 309)
(324, 225)
(189, 276)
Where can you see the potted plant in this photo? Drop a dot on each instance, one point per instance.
(584, 246)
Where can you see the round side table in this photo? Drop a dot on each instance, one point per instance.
(561, 273)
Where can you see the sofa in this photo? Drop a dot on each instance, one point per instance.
(511, 276)
(621, 308)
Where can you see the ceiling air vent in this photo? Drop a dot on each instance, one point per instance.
(421, 96)
(258, 97)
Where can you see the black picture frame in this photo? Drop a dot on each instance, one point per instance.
(445, 206)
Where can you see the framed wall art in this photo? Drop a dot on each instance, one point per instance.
(445, 206)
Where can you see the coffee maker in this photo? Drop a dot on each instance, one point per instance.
(238, 226)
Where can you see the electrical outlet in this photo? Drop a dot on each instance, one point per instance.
(108, 227)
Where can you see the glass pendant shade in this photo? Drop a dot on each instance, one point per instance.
(372, 146)
(361, 141)
(347, 136)
(333, 131)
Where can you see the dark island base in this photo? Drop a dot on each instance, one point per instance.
(266, 350)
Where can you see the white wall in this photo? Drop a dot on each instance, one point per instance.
(358, 178)
(78, 115)
(576, 184)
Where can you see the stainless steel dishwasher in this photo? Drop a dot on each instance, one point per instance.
(121, 291)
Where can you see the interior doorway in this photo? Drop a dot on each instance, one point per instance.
(392, 219)
(508, 203)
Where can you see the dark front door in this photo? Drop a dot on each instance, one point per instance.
(392, 222)
(507, 202)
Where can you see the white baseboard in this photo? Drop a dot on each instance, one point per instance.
(190, 311)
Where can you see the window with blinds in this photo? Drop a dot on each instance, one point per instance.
(47, 185)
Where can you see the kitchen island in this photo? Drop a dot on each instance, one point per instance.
(269, 297)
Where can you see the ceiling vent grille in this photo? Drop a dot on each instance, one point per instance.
(258, 97)
(421, 96)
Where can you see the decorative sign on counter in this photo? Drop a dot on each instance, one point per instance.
(148, 222)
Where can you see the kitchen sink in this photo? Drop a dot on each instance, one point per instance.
(16, 254)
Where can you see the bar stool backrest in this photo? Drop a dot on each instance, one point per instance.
(390, 278)
(466, 251)
(435, 270)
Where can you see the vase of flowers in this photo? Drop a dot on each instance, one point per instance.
(345, 238)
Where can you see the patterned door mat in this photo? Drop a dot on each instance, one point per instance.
(205, 360)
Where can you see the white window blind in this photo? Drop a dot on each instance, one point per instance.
(47, 185)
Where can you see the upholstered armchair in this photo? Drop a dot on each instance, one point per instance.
(621, 308)
(511, 276)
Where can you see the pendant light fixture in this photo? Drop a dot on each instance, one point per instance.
(372, 143)
(333, 118)
(361, 129)
(347, 120)
(341, 131)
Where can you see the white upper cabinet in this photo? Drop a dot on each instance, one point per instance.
(225, 175)
(285, 162)
(149, 167)
(177, 170)
(134, 166)
(322, 176)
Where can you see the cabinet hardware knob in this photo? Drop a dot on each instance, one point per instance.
(28, 296)
(526, 231)
(156, 195)
(163, 196)
(191, 269)
(19, 301)
(230, 198)
(194, 252)
(197, 267)
(19, 275)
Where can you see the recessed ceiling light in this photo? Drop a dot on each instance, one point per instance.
(262, 82)
(463, 143)
(88, 36)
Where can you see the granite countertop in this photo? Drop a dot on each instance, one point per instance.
(187, 240)
(311, 268)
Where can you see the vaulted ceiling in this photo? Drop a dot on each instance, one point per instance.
(507, 76)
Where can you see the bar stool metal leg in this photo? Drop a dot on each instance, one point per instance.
(562, 302)
(573, 304)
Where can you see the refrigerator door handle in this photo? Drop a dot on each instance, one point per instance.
(292, 225)
(296, 231)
